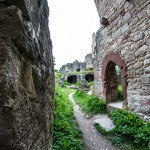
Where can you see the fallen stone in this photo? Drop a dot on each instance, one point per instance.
(105, 122)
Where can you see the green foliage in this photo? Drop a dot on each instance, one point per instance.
(117, 139)
(66, 134)
(128, 124)
(143, 134)
(58, 75)
(120, 88)
(120, 96)
(96, 105)
(66, 83)
(77, 84)
(89, 104)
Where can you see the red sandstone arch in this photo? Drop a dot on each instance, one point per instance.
(115, 58)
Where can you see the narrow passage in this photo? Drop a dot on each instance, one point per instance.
(91, 138)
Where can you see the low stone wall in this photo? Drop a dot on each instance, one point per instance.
(26, 75)
(128, 35)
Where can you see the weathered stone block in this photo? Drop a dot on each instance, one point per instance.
(116, 34)
(129, 57)
(141, 51)
(145, 78)
(147, 69)
(138, 37)
(125, 28)
(127, 17)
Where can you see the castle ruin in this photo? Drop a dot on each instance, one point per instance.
(123, 40)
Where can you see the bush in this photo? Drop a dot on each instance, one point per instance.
(80, 94)
(96, 105)
(130, 125)
(142, 135)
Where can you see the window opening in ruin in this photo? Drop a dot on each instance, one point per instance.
(89, 77)
(72, 79)
(114, 83)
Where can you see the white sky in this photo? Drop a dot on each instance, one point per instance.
(72, 23)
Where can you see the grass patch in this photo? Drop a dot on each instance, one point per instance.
(66, 134)
(89, 104)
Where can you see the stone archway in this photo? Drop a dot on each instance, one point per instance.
(89, 77)
(72, 79)
(109, 87)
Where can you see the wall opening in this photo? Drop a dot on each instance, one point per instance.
(111, 64)
(72, 79)
(114, 84)
(89, 77)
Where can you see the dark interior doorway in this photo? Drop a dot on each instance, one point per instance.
(114, 86)
(72, 79)
(89, 77)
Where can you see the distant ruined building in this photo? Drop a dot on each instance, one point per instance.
(26, 75)
(70, 70)
(123, 40)
(77, 66)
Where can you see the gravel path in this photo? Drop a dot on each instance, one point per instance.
(92, 139)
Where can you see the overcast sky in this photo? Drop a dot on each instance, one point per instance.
(72, 23)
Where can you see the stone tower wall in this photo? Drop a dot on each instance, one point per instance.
(128, 35)
(26, 75)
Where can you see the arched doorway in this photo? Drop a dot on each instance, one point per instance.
(110, 79)
(89, 77)
(72, 79)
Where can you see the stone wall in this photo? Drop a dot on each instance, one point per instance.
(89, 61)
(26, 75)
(77, 66)
(127, 35)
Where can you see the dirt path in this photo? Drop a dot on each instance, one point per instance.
(92, 139)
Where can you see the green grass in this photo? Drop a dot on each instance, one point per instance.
(66, 134)
(89, 104)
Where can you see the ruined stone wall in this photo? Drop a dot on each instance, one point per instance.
(26, 75)
(128, 35)
(89, 61)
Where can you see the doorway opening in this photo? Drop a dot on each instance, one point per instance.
(89, 77)
(114, 78)
(72, 79)
(114, 84)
